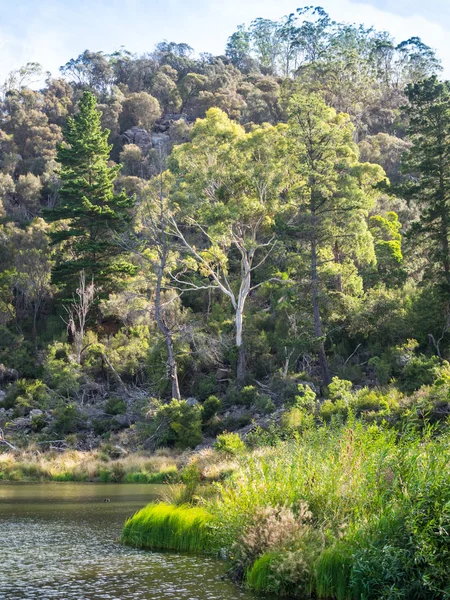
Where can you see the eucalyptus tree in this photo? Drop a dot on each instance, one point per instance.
(228, 186)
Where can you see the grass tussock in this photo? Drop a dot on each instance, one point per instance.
(345, 512)
(166, 527)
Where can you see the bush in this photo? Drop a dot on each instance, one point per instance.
(264, 405)
(248, 395)
(115, 406)
(61, 374)
(419, 371)
(66, 419)
(230, 443)
(25, 395)
(178, 425)
(210, 408)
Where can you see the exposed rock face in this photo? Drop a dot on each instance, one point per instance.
(161, 140)
(164, 124)
(7, 375)
(138, 136)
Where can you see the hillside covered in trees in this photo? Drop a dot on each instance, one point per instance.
(228, 230)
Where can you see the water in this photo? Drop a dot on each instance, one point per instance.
(59, 541)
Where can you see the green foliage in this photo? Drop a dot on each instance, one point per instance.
(178, 424)
(210, 408)
(88, 203)
(264, 404)
(66, 419)
(60, 373)
(115, 406)
(25, 395)
(165, 527)
(230, 443)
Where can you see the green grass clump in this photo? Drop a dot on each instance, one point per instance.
(333, 571)
(165, 527)
(260, 576)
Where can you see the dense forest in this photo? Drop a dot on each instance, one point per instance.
(232, 273)
(222, 229)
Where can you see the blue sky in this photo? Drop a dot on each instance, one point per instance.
(53, 31)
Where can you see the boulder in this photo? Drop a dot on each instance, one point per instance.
(35, 413)
(7, 375)
(138, 136)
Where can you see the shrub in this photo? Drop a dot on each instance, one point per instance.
(60, 373)
(306, 398)
(66, 418)
(178, 424)
(248, 395)
(25, 395)
(264, 405)
(329, 410)
(230, 443)
(115, 406)
(210, 408)
(419, 371)
(297, 419)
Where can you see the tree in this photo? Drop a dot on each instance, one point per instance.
(89, 212)
(330, 199)
(428, 166)
(228, 185)
(78, 311)
(139, 109)
(156, 251)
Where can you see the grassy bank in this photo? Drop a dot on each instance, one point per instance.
(164, 466)
(163, 526)
(346, 512)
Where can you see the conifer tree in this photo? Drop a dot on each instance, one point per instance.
(427, 165)
(89, 212)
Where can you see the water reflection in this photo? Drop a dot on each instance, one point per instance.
(59, 541)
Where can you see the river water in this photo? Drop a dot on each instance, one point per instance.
(59, 541)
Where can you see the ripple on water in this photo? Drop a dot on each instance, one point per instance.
(65, 549)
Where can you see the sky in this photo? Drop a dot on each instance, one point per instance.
(51, 32)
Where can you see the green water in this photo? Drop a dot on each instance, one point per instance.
(59, 541)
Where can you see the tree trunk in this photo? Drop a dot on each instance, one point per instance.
(317, 320)
(168, 338)
(172, 364)
(244, 291)
(240, 369)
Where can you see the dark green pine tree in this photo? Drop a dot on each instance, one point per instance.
(427, 166)
(90, 213)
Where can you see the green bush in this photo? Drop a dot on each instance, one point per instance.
(297, 419)
(66, 419)
(419, 371)
(178, 425)
(329, 410)
(115, 406)
(60, 373)
(25, 395)
(264, 405)
(211, 406)
(248, 395)
(230, 443)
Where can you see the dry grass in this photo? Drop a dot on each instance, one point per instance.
(163, 466)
